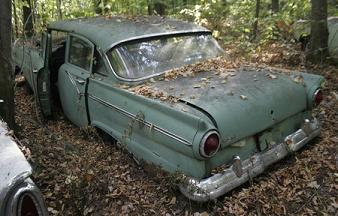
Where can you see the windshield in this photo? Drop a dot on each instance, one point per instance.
(151, 57)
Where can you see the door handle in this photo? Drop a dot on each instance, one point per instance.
(35, 70)
(80, 81)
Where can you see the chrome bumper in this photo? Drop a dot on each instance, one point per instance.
(241, 171)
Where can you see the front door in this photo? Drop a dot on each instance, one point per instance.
(43, 78)
(73, 79)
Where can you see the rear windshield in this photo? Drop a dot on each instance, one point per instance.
(143, 59)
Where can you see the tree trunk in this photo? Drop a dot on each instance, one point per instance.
(6, 86)
(255, 25)
(58, 8)
(318, 46)
(173, 2)
(159, 8)
(15, 20)
(27, 20)
(275, 6)
(150, 9)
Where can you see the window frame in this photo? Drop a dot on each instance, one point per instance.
(102, 57)
(68, 47)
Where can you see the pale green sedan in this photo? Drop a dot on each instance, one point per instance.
(217, 127)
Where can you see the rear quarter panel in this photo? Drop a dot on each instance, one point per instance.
(150, 137)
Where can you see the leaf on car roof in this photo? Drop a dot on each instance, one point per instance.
(243, 97)
(298, 79)
(272, 76)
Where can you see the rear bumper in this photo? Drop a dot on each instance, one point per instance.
(241, 171)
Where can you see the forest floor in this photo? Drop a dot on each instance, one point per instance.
(80, 175)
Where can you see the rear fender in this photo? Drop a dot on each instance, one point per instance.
(311, 82)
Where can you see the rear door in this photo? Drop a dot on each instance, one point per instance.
(73, 79)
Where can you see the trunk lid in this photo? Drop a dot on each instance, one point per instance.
(239, 103)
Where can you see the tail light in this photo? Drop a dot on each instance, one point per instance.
(317, 97)
(210, 144)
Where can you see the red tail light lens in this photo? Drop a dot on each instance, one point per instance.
(210, 144)
(318, 97)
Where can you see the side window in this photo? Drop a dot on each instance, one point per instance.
(58, 54)
(98, 64)
(80, 53)
(58, 39)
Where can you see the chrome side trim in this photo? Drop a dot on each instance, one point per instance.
(146, 123)
(221, 183)
(74, 84)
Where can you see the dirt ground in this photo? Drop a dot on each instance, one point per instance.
(80, 175)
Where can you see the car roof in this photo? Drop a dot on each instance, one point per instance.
(106, 32)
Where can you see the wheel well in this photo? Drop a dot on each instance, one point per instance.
(106, 137)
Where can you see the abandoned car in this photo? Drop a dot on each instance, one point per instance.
(131, 78)
(302, 31)
(18, 194)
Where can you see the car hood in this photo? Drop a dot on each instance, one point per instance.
(239, 103)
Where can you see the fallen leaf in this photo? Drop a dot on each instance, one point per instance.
(172, 201)
(314, 184)
(272, 76)
(243, 97)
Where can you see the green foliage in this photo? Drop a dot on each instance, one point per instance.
(233, 19)
(208, 14)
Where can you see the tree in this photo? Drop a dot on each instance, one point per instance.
(318, 46)
(6, 87)
(255, 25)
(58, 9)
(275, 6)
(149, 8)
(15, 19)
(157, 6)
(27, 19)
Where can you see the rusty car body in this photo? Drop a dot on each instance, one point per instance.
(192, 124)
